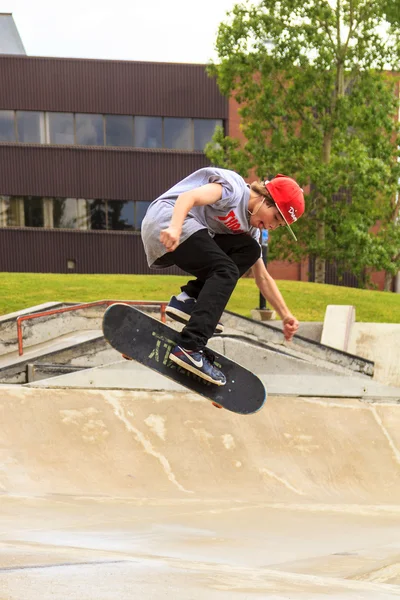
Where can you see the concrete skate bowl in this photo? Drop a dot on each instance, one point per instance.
(121, 494)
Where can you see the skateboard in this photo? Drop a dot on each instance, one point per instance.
(139, 337)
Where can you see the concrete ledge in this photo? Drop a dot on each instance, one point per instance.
(128, 375)
(311, 330)
(84, 349)
(308, 348)
(379, 342)
(31, 310)
(338, 322)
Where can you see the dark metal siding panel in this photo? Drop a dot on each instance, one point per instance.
(99, 86)
(29, 250)
(89, 173)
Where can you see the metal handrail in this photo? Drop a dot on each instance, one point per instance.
(107, 303)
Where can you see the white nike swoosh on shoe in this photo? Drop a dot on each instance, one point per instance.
(197, 363)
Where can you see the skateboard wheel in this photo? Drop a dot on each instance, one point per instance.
(126, 357)
(216, 405)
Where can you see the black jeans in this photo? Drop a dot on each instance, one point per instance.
(217, 263)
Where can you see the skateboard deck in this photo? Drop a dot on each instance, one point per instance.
(148, 341)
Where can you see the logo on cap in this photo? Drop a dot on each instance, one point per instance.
(292, 213)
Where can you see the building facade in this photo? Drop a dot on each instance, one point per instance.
(86, 145)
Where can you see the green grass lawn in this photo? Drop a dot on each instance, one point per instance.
(307, 301)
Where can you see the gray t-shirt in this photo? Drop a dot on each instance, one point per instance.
(229, 215)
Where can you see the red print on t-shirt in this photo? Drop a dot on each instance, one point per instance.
(231, 222)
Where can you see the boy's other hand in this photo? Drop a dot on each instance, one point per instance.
(170, 238)
(290, 326)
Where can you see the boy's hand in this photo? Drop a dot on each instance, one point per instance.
(170, 238)
(290, 326)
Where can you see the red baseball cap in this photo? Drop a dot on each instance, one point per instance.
(288, 197)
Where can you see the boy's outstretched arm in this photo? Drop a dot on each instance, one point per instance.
(271, 293)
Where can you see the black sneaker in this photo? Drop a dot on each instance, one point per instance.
(199, 362)
(180, 310)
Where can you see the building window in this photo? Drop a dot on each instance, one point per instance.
(119, 130)
(72, 213)
(33, 211)
(4, 204)
(65, 213)
(89, 130)
(35, 127)
(7, 126)
(141, 209)
(97, 214)
(12, 211)
(148, 132)
(178, 133)
(120, 215)
(203, 131)
(61, 128)
(30, 127)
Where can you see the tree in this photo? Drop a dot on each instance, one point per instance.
(315, 82)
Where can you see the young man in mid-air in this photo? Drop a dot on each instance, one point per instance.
(209, 224)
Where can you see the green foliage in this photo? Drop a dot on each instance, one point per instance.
(225, 151)
(391, 11)
(315, 82)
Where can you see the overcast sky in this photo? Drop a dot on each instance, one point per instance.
(149, 30)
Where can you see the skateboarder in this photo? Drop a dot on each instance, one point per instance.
(209, 224)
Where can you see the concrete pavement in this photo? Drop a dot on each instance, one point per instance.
(123, 494)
